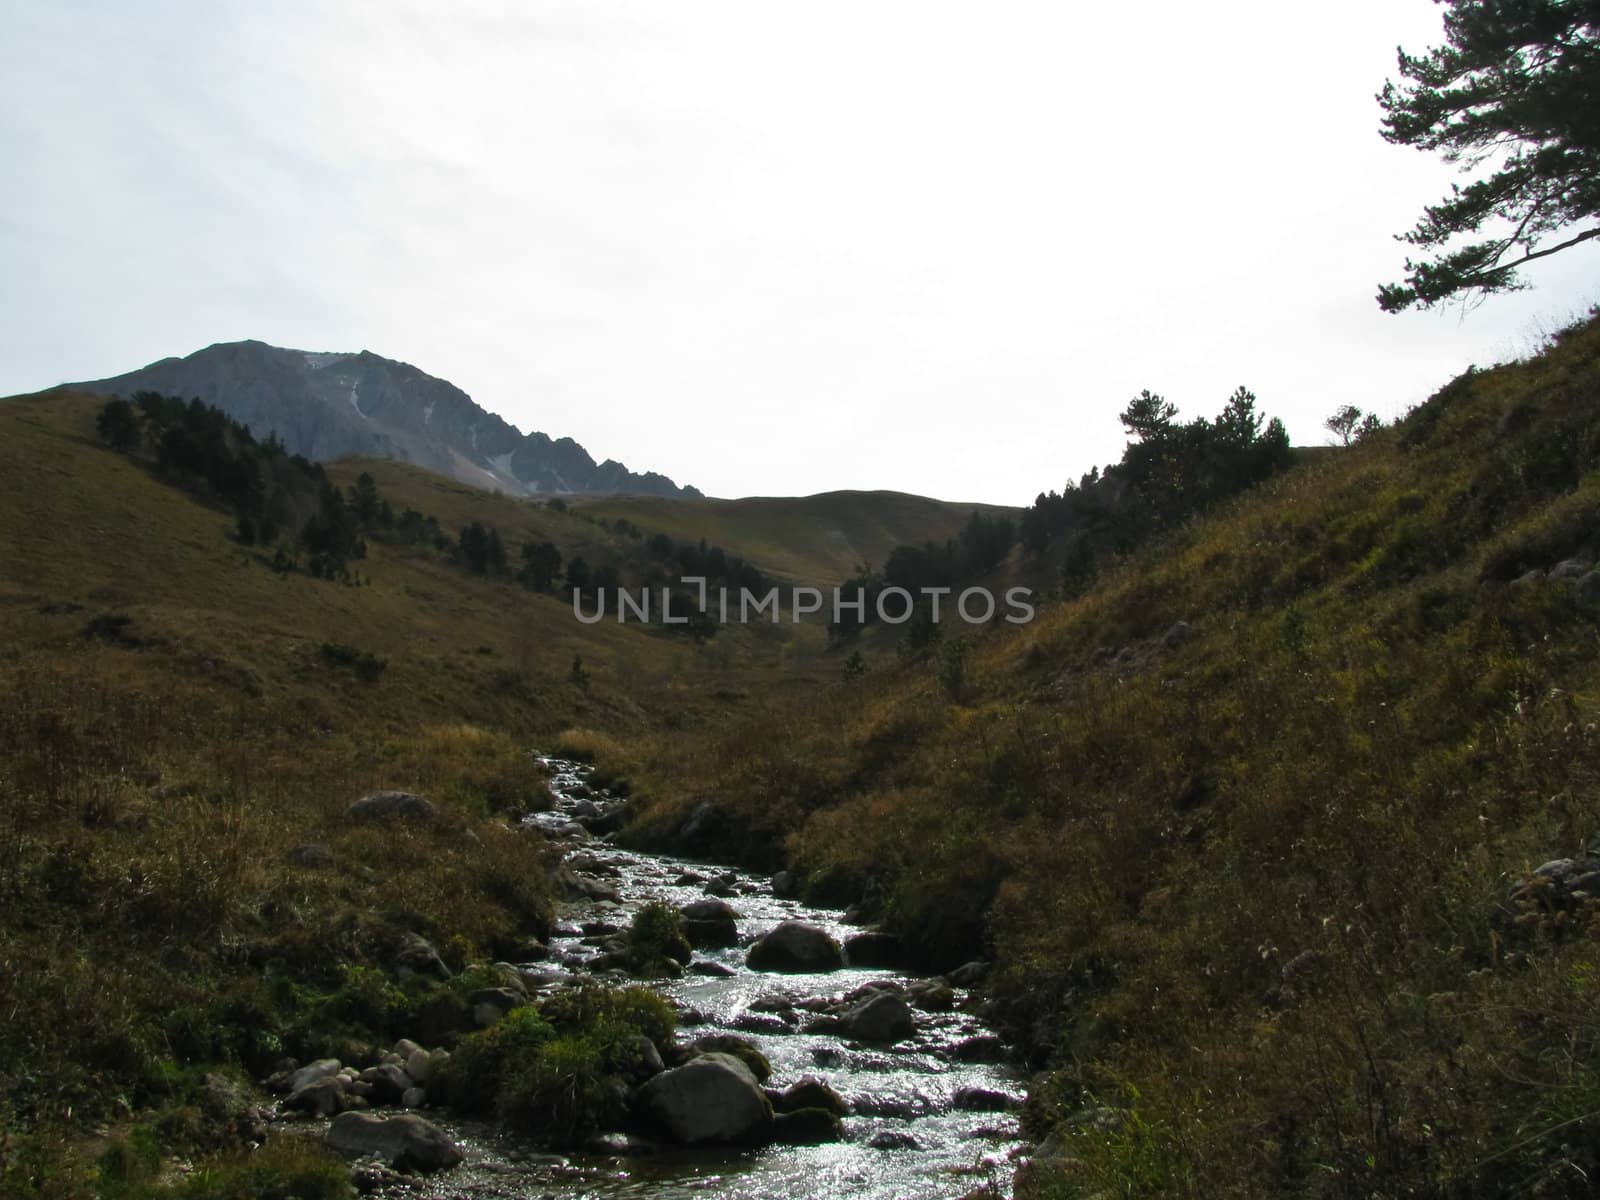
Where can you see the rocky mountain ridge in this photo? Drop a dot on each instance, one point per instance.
(332, 405)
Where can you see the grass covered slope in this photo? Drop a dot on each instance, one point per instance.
(1248, 881)
(819, 540)
(182, 730)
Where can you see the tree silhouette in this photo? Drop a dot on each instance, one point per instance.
(1517, 83)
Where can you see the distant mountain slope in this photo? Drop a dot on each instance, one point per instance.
(328, 406)
(819, 539)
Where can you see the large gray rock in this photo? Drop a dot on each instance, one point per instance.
(710, 1099)
(710, 922)
(310, 1073)
(969, 974)
(884, 1017)
(412, 954)
(735, 1046)
(795, 946)
(807, 1127)
(391, 806)
(1569, 569)
(389, 1083)
(610, 818)
(490, 1004)
(585, 887)
(809, 1092)
(982, 1099)
(405, 1142)
(310, 854)
(893, 1139)
(701, 830)
(323, 1097)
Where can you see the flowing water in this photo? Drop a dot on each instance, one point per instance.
(910, 1088)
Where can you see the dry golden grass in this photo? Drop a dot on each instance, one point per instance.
(1249, 890)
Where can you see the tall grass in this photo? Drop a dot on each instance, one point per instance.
(1249, 891)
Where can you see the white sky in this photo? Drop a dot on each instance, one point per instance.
(763, 248)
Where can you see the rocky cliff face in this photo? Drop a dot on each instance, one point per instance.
(330, 405)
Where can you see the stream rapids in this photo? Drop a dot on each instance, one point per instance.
(924, 1119)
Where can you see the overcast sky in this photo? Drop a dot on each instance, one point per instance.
(763, 248)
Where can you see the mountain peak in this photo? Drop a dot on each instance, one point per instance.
(334, 404)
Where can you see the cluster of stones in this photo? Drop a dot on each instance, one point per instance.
(401, 1142)
(327, 1087)
(715, 1096)
(1559, 894)
(1577, 573)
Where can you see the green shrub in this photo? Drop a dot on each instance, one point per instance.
(368, 1001)
(560, 1071)
(657, 935)
(285, 1168)
(480, 1067)
(40, 1166)
(129, 1164)
(366, 666)
(565, 1093)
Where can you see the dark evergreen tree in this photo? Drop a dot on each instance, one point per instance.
(472, 547)
(541, 565)
(365, 501)
(118, 425)
(578, 575)
(1517, 83)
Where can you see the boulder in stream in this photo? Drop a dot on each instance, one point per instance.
(808, 1092)
(807, 1127)
(405, 1142)
(711, 1099)
(710, 923)
(732, 1044)
(701, 831)
(389, 1083)
(883, 1017)
(893, 1139)
(795, 946)
(323, 1097)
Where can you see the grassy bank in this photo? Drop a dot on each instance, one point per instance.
(1247, 879)
(184, 727)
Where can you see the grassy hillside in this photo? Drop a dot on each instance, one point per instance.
(1248, 880)
(90, 528)
(1246, 827)
(179, 719)
(818, 539)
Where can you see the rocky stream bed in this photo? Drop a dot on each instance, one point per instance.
(928, 1099)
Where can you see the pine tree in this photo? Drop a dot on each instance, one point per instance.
(1517, 83)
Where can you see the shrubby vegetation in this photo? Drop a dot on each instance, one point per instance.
(1169, 473)
(1240, 825)
(982, 545)
(560, 1070)
(201, 448)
